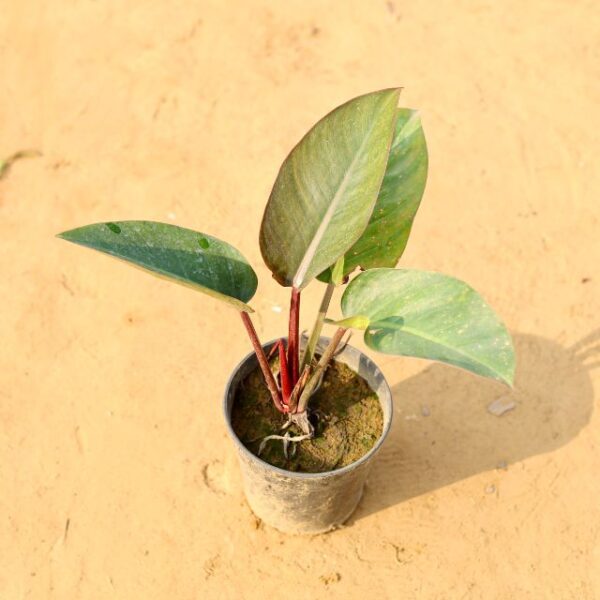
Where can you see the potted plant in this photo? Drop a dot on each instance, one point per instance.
(307, 416)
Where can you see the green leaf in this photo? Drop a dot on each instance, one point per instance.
(337, 272)
(384, 240)
(324, 194)
(430, 315)
(194, 259)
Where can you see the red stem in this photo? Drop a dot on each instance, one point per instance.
(263, 362)
(286, 388)
(299, 387)
(293, 335)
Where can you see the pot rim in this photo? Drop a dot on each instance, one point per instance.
(387, 395)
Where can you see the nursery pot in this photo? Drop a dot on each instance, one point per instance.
(295, 502)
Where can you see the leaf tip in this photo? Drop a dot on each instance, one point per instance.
(67, 235)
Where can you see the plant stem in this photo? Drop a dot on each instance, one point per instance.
(293, 403)
(315, 334)
(286, 388)
(263, 362)
(321, 366)
(293, 337)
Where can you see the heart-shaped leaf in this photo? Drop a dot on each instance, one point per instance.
(430, 315)
(187, 257)
(384, 240)
(326, 188)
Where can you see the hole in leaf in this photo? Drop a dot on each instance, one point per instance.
(203, 243)
(114, 227)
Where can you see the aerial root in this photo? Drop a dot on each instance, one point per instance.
(301, 421)
(287, 439)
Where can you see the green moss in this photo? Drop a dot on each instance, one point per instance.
(349, 421)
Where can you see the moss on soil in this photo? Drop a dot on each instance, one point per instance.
(345, 411)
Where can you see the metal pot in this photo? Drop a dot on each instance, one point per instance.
(310, 503)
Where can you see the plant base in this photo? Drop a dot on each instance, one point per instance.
(295, 502)
(345, 413)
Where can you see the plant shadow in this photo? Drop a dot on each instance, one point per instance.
(443, 432)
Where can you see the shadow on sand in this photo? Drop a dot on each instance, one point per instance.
(459, 437)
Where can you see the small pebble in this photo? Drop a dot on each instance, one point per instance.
(501, 405)
(425, 410)
(490, 489)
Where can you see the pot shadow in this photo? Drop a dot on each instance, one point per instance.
(442, 431)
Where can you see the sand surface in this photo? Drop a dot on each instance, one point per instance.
(117, 479)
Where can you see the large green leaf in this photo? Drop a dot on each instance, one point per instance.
(430, 315)
(324, 194)
(187, 257)
(384, 240)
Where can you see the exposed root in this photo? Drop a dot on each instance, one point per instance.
(301, 421)
(286, 439)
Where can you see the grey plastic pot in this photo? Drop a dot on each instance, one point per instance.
(307, 502)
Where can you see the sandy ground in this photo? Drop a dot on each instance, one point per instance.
(117, 479)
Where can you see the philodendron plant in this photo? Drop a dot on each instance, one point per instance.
(340, 212)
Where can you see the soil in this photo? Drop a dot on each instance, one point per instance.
(345, 412)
